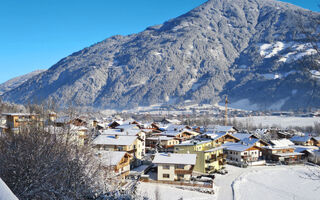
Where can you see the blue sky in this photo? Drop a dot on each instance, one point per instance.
(35, 34)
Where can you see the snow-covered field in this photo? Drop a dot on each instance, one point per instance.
(268, 182)
(277, 184)
(282, 122)
(168, 192)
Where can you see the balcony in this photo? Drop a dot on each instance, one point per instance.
(183, 171)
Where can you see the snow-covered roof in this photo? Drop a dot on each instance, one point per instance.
(300, 138)
(5, 192)
(236, 147)
(170, 133)
(289, 154)
(225, 129)
(215, 136)
(316, 138)
(242, 136)
(119, 132)
(164, 138)
(175, 158)
(194, 142)
(249, 141)
(174, 127)
(127, 126)
(114, 140)
(281, 143)
(17, 114)
(110, 158)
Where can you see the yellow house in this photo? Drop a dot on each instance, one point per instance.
(210, 157)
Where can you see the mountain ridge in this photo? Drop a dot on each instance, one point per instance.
(198, 57)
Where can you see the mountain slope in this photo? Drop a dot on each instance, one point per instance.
(221, 47)
(17, 81)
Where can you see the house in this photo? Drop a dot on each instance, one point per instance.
(129, 132)
(225, 129)
(181, 136)
(220, 138)
(162, 143)
(174, 167)
(316, 141)
(282, 150)
(302, 140)
(116, 161)
(16, 121)
(249, 139)
(241, 154)
(125, 143)
(209, 157)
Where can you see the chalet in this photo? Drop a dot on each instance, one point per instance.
(241, 154)
(125, 143)
(220, 138)
(181, 136)
(249, 139)
(162, 143)
(62, 121)
(116, 161)
(282, 151)
(174, 167)
(141, 141)
(16, 121)
(302, 140)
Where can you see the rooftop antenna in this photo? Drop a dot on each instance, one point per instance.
(226, 112)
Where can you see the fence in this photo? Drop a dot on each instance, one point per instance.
(204, 185)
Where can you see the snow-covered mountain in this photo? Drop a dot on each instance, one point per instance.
(250, 50)
(17, 81)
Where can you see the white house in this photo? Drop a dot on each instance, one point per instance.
(240, 154)
(174, 167)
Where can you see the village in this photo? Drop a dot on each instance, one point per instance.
(169, 152)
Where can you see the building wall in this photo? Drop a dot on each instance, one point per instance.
(162, 170)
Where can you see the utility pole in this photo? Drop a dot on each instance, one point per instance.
(226, 112)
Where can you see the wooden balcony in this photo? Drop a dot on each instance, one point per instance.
(183, 171)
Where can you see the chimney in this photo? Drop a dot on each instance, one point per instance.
(116, 136)
(169, 154)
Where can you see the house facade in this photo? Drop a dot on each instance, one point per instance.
(174, 167)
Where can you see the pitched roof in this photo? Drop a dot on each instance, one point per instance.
(194, 142)
(236, 147)
(219, 128)
(281, 143)
(175, 158)
(110, 158)
(242, 136)
(300, 138)
(114, 140)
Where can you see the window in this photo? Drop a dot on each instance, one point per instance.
(166, 176)
(180, 166)
(166, 166)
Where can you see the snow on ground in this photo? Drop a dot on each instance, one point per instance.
(268, 182)
(279, 121)
(278, 183)
(168, 192)
(5, 192)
